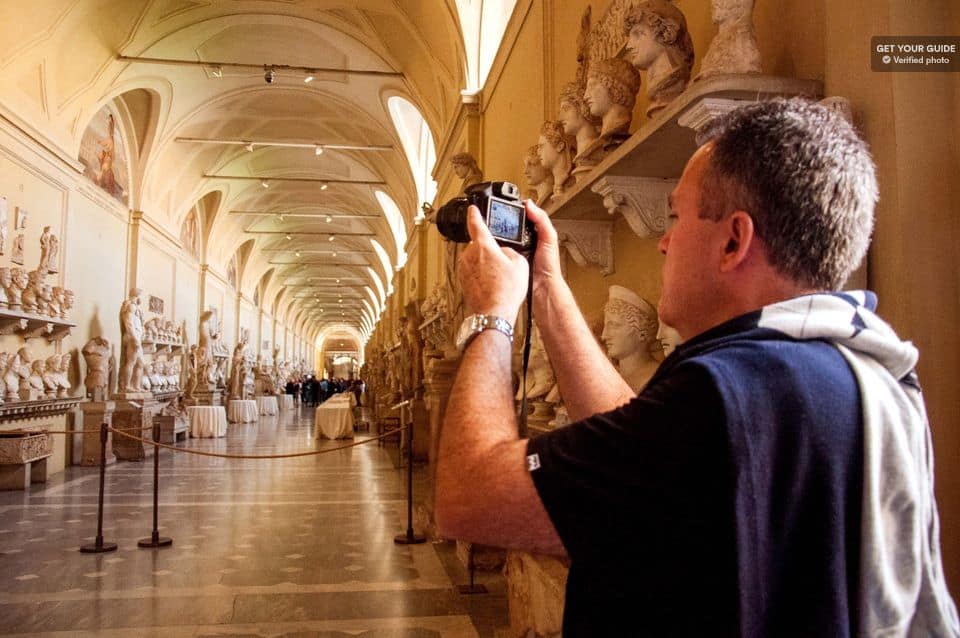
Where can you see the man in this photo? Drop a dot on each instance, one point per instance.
(772, 478)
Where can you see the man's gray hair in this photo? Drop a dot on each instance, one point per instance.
(805, 178)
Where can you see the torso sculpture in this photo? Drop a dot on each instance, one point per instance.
(734, 49)
(629, 332)
(96, 353)
(131, 342)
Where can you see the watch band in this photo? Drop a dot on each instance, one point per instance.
(479, 323)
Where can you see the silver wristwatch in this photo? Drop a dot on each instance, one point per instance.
(475, 324)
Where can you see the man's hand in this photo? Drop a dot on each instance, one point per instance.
(546, 261)
(494, 279)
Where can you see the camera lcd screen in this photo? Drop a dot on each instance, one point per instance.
(505, 220)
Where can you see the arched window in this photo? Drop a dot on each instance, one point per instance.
(417, 144)
(483, 23)
(399, 228)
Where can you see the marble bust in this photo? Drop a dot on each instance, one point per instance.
(540, 375)
(611, 93)
(465, 167)
(556, 155)
(629, 333)
(537, 176)
(658, 42)
(580, 123)
(734, 48)
(668, 338)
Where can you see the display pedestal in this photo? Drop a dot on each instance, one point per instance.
(134, 414)
(95, 413)
(206, 396)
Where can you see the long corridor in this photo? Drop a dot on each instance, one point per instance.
(290, 547)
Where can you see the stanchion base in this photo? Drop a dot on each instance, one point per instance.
(472, 589)
(93, 548)
(409, 539)
(162, 541)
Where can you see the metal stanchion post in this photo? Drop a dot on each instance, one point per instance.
(99, 546)
(472, 588)
(410, 538)
(155, 539)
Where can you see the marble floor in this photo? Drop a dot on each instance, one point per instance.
(298, 547)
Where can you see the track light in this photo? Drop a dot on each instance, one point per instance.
(318, 150)
(309, 78)
(218, 71)
(332, 237)
(297, 253)
(329, 219)
(264, 184)
(333, 254)
(289, 237)
(249, 147)
(280, 218)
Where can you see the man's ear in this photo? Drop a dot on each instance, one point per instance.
(740, 238)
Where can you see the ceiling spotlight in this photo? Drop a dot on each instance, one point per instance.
(218, 71)
(289, 237)
(329, 219)
(338, 281)
(265, 184)
(280, 218)
(333, 254)
(269, 76)
(309, 78)
(324, 186)
(297, 253)
(249, 147)
(318, 150)
(332, 237)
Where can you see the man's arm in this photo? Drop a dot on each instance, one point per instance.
(484, 492)
(589, 383)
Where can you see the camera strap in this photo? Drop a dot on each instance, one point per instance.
(522, 421)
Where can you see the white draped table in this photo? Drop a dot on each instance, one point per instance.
(334, 420)
(286, 401)
(242, 411)
(207, 421)
(267, 405)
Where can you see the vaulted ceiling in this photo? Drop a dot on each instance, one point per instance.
(188, 78)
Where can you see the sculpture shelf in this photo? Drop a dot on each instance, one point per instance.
(19, 410)
(166, 395)
(662, 146)
(28, 325)
(162, 347)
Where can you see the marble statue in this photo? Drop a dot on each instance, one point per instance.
(537, 176)
(556, 154)
(658, 42)
(50, 375)
(734, 48)
(611, 94)
(67, 304)
(191, 361)
(668, 338)
(581, 124)
(31, 292)
(63, 376)
(209, 333)
(131, 343)
(35, 380)
(59, 300)
(44, 264)
(238, 371)
(4, 221)
(6, 280)
(45, 301)
(629, 332)
(465, 167)
(11, 376)
(16, 251)
(19, 281)
(540, 375)
(53, 255)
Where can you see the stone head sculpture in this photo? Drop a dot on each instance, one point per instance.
(659, 43)
(629, 323)
(556, 154)
(465, 167)
(611, 83)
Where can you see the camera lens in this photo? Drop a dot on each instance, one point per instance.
(452, 220)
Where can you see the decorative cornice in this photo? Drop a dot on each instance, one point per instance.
(588, 242)
(641, 200)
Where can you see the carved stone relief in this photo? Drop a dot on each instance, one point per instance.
(587, 242)
(641, 200)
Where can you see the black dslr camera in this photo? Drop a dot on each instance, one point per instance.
(501, 209)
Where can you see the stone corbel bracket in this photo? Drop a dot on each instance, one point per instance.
(641, 200)
(702, 113)
(588, 242)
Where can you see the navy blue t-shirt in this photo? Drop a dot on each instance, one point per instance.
(724, 500)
